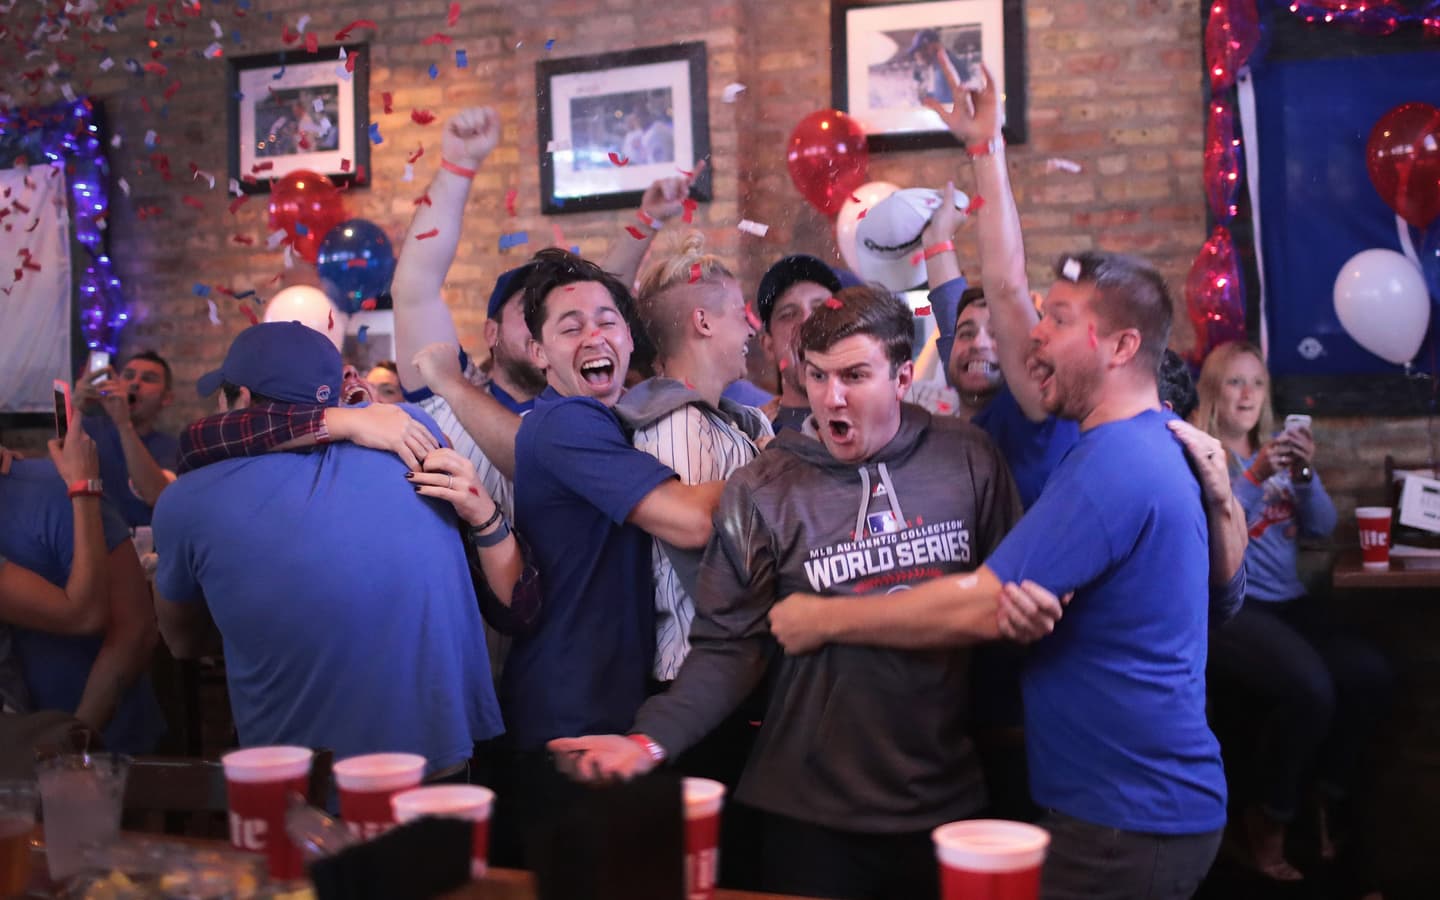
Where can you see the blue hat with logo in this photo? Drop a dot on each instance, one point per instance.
(284, 361)
(506, 286)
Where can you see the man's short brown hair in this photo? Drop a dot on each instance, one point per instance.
(1129, 293)
(865, 309)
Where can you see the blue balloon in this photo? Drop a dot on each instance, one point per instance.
(355, 263)
(1430, 260)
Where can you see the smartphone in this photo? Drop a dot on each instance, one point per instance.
(97, 363)
(62, 409)
(1296, 421)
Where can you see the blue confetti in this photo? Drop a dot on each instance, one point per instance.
(235, 36)
(575, 249)
(301, 230)
(514, 239)
(461, 61)
(375, 137)
(278, 75)
(243, 294)
(363, 334)
(201, 290)
(434, 71)
(550, 44)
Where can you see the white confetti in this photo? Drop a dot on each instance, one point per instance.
(274, 239)
(201, 173)
(1057, 164)
(319, 104)
(341, 74)
(68, 92)
(107, 64)
(124, 186)
(214, 313)
(557, 146)
(732, 92)
(1071, 269)
(216, 29)
(409, 173)
(302, 23)
(754, 228)
(214, 51)
(115, 141)
(150, 138)
(235, 187)
(289, 257)
(342, 54)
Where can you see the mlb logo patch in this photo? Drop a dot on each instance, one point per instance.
(882, 523)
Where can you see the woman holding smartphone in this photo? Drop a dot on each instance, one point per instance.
(1321, 691)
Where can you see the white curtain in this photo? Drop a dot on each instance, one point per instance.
(35, 308)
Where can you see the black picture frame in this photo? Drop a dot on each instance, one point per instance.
(861, 31)
(334, 142)
(647, 90)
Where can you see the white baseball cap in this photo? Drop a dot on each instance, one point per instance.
(888, 239)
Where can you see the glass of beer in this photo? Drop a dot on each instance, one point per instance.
(990, 859)
(17, 821)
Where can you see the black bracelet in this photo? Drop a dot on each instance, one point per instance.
(476, 529)
(489, 540)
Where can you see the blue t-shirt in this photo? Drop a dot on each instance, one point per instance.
(115, 474)
(336, 634)
(584, 669)
(1115, 725)
(1276, 514)
(37, 531)
(1031, 449)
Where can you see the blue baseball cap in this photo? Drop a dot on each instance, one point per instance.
(787, 273)
(506, 286)
(284, 361)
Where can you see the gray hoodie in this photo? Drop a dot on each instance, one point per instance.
(854, 738)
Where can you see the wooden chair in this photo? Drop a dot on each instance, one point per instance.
(179, 795)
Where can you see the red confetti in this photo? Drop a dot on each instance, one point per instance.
(423, 199)
(784, 364)
(422, 116)
(694, 272)
(344, 165)
(250, 314)
(331, 314)
(690, 384)
(312, 43)
(923, 311)
(475, 491)
(685, 173)
(636, 233)
(862, 215)
(193, 202)
(975, 206)
(20, 207)
(855, 199)
(619, 160)
(289, 37)
(238, 202)
(360, 175)
(419, 152)
(833, 302)
(357, 263)
(150, 14)
(170, 91)
(265, 166)
(155, 68)
(350, 62)
(434, 232)
(511, 197)
(453, 16)
(243, 239)
(917, 258)
(388, 100)
(690, 206)
(559, 235)
(344, 33)
(437, 38)
(368, 303)
(275, 279)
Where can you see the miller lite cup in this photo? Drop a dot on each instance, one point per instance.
(703, 799)
(990, 859)
(452, 801)
(259, 782)
(1374, 524)
(366, 784)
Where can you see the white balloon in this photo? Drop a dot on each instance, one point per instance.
(860, 201)
(309, 306)
(1381, 302)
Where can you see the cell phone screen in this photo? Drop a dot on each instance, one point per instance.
(99, 360)
(62, 415)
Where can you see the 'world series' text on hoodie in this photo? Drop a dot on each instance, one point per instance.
(857, 738)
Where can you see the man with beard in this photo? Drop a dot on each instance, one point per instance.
(1120, 752)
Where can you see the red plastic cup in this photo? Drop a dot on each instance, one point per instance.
(703, 799)
(1374, 522)
(259, 781)
(452, 801)
(366, 784)
(990, 859)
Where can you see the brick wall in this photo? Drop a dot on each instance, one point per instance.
(1113, 86)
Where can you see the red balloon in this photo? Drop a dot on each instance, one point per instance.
(1231, 34)
(307, 205)
(828, 159)
(1403, 157)
(1214, 296)
(1222, 161)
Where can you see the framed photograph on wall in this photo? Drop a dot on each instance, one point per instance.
(298, 110)
(885, 59)
(612, 123)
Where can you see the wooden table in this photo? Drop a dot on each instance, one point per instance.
(1349, 574)
(511, 884)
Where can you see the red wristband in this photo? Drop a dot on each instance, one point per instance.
(463, 172)
(656, 752)
(935, 250)
(976, 151)
(648, 220)
(85, 488)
